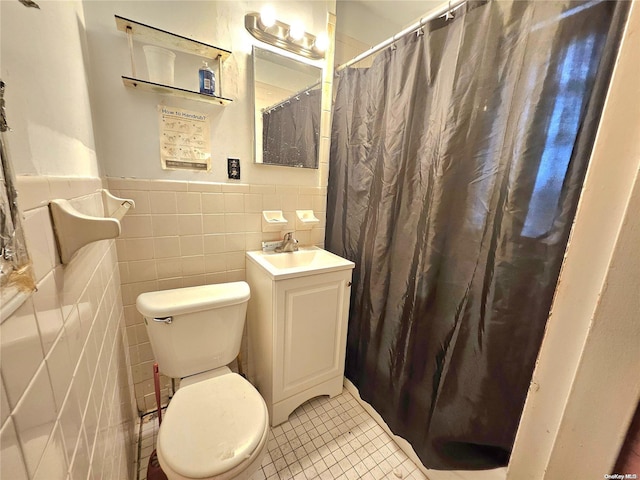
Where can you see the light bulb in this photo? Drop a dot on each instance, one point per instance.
(296, 30)
(268, 16)
(322, 42)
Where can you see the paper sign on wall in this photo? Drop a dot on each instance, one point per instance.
(185, 142)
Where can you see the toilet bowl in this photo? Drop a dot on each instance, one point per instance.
(214, 428)
(216, 425)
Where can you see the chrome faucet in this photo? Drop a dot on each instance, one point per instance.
(289, 244)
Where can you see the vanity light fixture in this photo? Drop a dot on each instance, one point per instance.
(292, 38)
(268, 16)
(296, 30)
(322, 42)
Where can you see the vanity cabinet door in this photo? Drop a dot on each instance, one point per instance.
(310, 331)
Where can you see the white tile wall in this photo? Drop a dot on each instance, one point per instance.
(184, 234)
(67, 408)
(12, 465)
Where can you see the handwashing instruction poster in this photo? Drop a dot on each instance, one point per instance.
(185, 142)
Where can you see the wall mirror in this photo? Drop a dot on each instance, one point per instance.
(287, 97)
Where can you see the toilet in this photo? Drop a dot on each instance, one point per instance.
(216, 425)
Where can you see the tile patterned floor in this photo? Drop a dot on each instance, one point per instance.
(326, 439)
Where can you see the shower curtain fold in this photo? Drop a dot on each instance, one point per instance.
(456, 165)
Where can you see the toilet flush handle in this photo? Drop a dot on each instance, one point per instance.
(163, 319)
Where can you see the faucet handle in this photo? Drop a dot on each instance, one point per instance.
(289, 244)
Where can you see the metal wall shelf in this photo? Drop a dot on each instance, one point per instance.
(171, 40)
(176, 42)
(147, 86)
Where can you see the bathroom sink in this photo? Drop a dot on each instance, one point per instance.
(306, 261)
(301, 258)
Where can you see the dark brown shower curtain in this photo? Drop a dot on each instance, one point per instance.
(457, 161)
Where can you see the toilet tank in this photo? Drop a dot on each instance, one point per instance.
(195, 329)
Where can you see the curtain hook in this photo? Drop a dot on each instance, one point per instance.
(449, 15)
(393, 44)
(420, 31)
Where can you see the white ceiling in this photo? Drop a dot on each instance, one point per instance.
(401, 12)
(372, 21)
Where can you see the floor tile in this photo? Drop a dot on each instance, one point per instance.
(325, 438)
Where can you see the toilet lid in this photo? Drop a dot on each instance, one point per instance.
(212, 426)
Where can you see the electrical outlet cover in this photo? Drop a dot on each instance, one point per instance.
(233, 168)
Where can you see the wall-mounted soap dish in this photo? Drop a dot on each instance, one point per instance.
(273, 221)
(74, 229)
(306, 220)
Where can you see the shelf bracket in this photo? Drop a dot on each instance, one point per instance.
(130, 40)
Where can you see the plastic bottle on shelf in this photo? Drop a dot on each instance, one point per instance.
(207, 80)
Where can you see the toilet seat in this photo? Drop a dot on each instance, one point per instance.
(215, 428)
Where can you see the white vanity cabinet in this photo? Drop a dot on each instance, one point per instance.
(297, 328)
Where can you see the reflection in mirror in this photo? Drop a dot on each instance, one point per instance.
(287, 95)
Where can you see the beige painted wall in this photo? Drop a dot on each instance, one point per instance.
(126, 121)
(43, 64)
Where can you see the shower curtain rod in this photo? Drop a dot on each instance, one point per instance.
(448, 7)
(288, 99)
